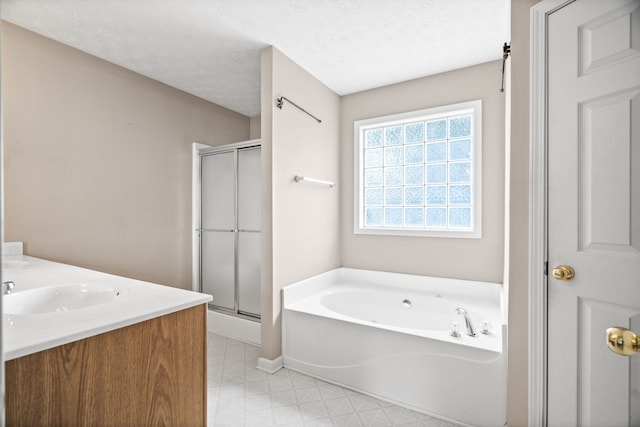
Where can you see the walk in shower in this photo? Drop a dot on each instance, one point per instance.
(229, 229)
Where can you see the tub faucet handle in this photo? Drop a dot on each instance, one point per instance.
(486, 328)
(471, 331)
(453, 331)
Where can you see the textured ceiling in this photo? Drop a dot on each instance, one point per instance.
(211, 48)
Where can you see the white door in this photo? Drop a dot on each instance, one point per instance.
(594, 211)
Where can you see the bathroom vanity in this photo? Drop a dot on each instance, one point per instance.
(89, 348)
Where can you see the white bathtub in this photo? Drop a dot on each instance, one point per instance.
(387, 335)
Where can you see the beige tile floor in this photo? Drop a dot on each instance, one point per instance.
(240, 395)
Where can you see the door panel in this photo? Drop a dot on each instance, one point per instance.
(249, 272)
(593, 209)
(606, 181)
(610, 38)
(249, 203)
(600, 369)
(218, 201)
(218, 253)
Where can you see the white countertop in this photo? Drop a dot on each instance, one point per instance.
(137, 301)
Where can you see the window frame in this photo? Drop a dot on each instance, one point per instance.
(474, 108)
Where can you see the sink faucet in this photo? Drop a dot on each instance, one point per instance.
(471, 331)
(8, 287)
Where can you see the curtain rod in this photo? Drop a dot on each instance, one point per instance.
(280, 102)
(506, 51)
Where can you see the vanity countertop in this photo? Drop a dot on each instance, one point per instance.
(135, 301)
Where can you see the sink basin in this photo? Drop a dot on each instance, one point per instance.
(57, 298)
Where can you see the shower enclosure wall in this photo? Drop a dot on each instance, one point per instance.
(229, 230)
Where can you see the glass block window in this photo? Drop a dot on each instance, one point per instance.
(419, 173)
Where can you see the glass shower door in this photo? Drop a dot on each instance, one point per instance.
(249, 205)
(229, 232)
(217, 233)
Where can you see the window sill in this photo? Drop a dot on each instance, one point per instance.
(389, 231)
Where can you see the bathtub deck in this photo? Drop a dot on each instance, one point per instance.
(240, 395)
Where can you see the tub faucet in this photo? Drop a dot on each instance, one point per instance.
(471, 331)
(8, 287)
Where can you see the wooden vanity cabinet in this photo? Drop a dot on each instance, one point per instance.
(151, 373)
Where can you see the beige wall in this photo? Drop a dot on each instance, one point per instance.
(98, 160)
(517, 404)
(254, 127)
(475, 259)
(301, 228)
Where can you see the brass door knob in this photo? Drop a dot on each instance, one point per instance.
(563, 272)
(622, 341)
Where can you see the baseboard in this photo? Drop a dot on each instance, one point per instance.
(233, 327)
(270, 366)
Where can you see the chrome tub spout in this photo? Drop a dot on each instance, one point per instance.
(471, 331)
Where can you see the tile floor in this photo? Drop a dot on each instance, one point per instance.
(240, 395)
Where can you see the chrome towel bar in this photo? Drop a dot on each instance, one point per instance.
(299, 178)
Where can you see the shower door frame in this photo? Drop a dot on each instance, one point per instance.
(200, 150)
